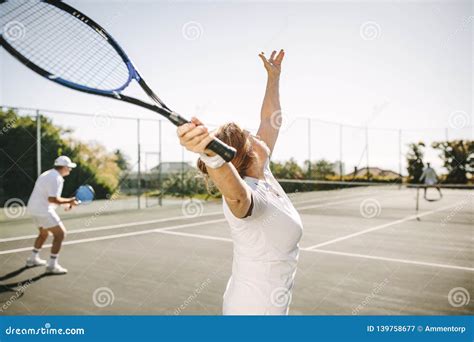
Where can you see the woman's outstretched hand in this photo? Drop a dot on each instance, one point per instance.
(194, 136)
(273, 64)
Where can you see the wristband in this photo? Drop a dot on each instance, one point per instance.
(214, 162)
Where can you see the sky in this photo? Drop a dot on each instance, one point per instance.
(386, 65)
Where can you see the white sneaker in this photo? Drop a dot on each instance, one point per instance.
(32, 262)
(57, 269)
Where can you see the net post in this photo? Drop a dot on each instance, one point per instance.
(38, 143)
(139, 176)
(160, 198)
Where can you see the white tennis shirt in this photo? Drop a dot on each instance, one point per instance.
(49, 184)
(265, 251)
(429, 176)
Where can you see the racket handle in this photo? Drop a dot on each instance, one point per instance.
(225, 151)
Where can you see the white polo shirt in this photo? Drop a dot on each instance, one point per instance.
(49, 184)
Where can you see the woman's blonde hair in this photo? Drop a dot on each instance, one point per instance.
(234, 136)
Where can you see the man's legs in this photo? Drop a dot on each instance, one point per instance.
(59, 233)
(34, 259)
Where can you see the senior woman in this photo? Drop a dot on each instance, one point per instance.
(265, 227)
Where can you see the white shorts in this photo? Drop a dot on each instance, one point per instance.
(51, 219)
(430, 182)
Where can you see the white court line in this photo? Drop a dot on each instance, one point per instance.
(116, 236)
(199, 236)
(368, 230)
(404, 261)
(115, 226)
(354, 255)
(139, 223)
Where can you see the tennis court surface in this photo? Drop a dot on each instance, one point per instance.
(365, 251)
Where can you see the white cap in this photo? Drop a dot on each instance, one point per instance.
(64, 161)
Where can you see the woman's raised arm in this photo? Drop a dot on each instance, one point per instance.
(270, 117)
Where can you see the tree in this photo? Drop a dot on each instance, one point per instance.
(321, 169)
(415, 162)
(121, 160)
(18, 170)
(458, 159)
(287, 170)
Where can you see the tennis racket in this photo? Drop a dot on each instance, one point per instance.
(85, 194)
(67, 47)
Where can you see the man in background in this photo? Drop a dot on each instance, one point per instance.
(430, 179)
(44, 199)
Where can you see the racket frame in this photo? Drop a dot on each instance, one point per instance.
(227, 152)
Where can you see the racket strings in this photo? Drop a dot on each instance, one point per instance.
(62, 45)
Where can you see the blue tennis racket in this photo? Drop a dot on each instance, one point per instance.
(67, 47)
(85, 194)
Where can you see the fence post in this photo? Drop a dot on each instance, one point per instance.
(139, 175)
(309, 148)
(38, 143)
(400, 153)
(367, 150)
(160, 167)
(340, 153)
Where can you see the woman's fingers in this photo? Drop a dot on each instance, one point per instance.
(280, 56)
(183, 129)
(264, 59)
(272, 56)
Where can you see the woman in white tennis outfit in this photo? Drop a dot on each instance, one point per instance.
(265, 227)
